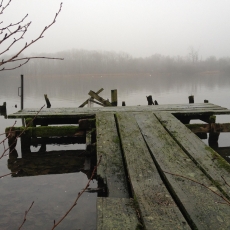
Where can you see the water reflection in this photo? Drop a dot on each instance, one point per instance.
(45, 162)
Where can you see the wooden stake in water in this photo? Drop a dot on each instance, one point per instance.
(114, 97)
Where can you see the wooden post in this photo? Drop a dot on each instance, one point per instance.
(191, 99)
(213, 136)
(22, 92)
(150, 100)
(123, 103)
(47, 101)
(114, 97)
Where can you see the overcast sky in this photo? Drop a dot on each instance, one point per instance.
(138, 27)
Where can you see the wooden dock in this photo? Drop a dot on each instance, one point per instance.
(157, 173)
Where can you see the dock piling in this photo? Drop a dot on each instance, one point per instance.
(114, 97)
(48, 104)
(191, 99)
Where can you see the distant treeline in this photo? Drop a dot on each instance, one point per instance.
(104, 62)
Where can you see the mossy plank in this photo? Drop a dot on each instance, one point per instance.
(47, 131)
(201, 207)
(188, 109)
(116, 213)
(211, 163)
(111, 169)
(157, 208)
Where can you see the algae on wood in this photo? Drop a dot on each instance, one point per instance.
(157, 208)
(111, 169)
(211, 163)
(202, 208)
(47, 131)
(116, 213)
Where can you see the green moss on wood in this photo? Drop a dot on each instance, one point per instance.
(222, 163)
(46, 131)
(212, 119)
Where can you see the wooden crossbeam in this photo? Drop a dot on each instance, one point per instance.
(86, 102)
(100, 99)
(206, 128)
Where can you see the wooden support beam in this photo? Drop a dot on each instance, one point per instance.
(87, 124)
(98, 103)
(48, 131)
(100, 99)
(86, 102)
(206, 128)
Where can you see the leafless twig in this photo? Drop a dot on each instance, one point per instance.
(14, 29)
(225, 181)
(221, 196)
(8, 174)
(26, 212)
(23, 131)
(79, 195)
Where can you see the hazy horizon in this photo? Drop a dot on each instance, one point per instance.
(139, 28)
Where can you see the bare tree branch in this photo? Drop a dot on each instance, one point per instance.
(197, 182)
(26, 212)
(79, 195)
(12, 29)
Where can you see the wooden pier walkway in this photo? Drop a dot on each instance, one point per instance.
(158, 174)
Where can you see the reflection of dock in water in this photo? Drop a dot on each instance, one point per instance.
(158, 173)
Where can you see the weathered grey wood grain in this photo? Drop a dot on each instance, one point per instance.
(158, 209)
(116, 213)
(198, 203)
(214, 166)
(201, 109)
(111, 168)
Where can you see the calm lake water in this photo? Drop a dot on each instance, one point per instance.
(54, 194)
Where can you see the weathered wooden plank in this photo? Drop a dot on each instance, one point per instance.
(201, 207)
(111, 169)
(116, 213)
(211, 163)
(86, 101)
(206, 128)
(158, 209)
(48, 131)
(189, 109)
(103, 101)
